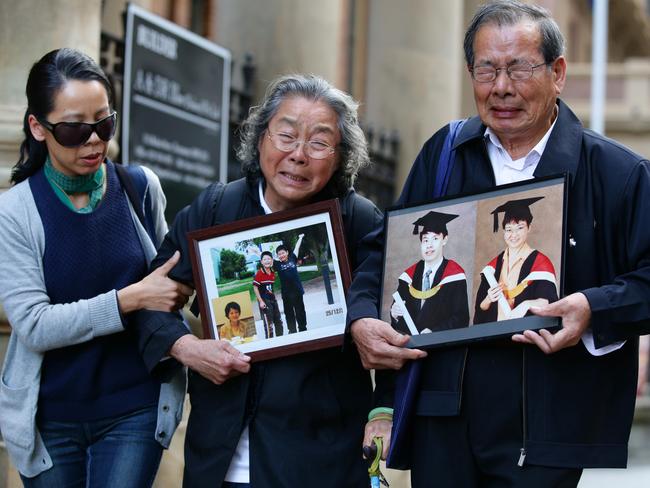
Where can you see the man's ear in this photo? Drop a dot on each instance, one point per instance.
(559, 74)
(35, 127)
(444, 240)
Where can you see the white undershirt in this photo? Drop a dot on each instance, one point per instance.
(239, 469)
(508, 171)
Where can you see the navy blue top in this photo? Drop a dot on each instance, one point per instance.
(87, 255)
(288, 273)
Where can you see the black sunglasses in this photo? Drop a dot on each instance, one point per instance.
(73, 134)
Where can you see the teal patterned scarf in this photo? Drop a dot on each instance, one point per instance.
(63, 185)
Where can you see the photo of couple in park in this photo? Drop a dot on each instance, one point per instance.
(474, 260)
(275, 285)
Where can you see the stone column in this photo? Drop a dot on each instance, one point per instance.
(30, 28)
(286, 36)
(414, 71)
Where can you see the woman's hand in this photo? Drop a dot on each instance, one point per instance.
(216, 361)
(495, 292)
(493, 295)
(156, 291)
(262, 304)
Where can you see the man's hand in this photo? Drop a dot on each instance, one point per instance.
(576, 315)
(214, 360)
(380, 346)
(378, 428)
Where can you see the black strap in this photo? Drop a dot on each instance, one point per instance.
(446, 159)
(228, 202)
(131, 192)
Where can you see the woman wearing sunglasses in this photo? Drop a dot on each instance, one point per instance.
(77, 406)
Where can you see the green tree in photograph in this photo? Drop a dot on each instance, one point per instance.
(232, 263)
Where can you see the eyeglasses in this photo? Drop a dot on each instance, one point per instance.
(287, 143)
(516, 72)
(73, 134)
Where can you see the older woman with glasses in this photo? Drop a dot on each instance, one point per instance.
(77, 404)
(296, 420)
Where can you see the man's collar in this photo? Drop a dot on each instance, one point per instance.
(563, 148)
(260, 194)
(538, 148)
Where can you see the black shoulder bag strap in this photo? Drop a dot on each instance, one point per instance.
(134, 182)
(407, 380)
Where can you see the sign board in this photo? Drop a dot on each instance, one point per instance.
(175, 112)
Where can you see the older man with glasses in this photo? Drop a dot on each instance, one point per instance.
(533, 411)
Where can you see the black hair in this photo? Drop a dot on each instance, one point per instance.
(265, 253)
(46, 78)
(516, 214)
(281, 247)
(429, 231)
(230, 305)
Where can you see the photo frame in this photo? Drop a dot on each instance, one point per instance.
(254, 277)
(456, 272)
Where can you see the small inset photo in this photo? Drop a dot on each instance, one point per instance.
(233, 315)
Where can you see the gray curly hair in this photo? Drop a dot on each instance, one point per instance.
(353, 148)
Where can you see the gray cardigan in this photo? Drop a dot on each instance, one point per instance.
(38, 326)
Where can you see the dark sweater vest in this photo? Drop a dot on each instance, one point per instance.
(87, 255)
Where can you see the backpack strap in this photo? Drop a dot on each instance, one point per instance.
(361, 218)
(135, 185)
(407, 380)
(227, 201)
(446, 159)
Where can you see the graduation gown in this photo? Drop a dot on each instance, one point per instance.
(443, 306)
(536, 280)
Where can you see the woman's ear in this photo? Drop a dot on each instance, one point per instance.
(35, 127)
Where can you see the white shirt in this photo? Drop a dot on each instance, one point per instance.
(434, 269)
(508, 171)
(239, 469)
(505, 169)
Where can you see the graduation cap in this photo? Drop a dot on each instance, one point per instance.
(435, 222)
(517, 209)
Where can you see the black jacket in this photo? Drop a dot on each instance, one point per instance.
(306, 412)
(578, 407)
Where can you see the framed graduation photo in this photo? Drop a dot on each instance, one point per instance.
(274, 285)
(469, 268)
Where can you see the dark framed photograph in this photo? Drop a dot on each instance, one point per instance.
(274, 285)
(469, 268)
